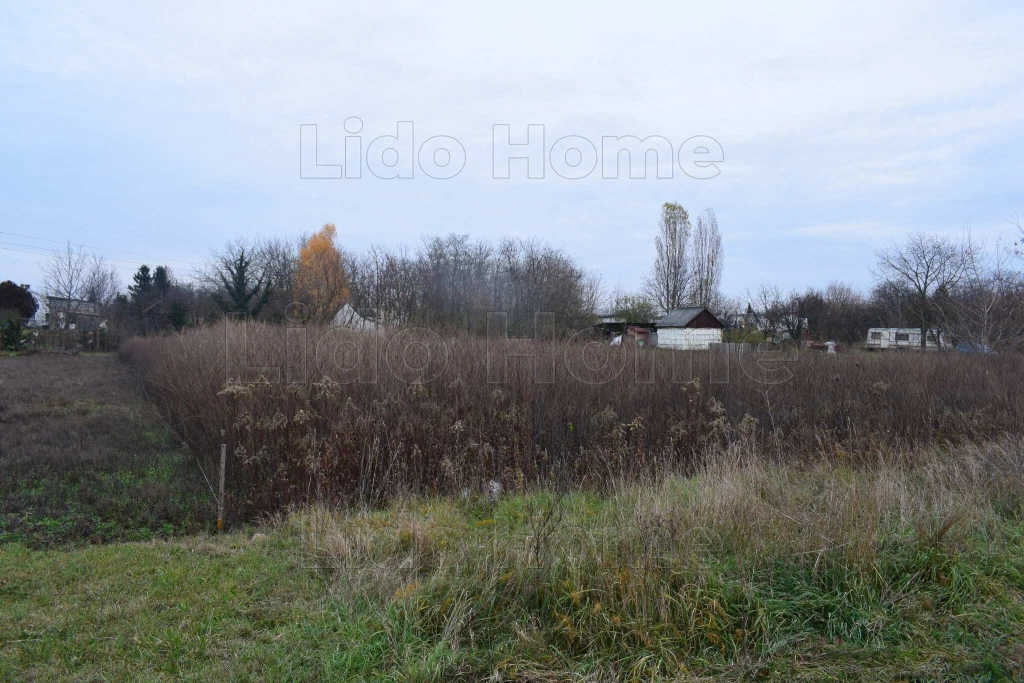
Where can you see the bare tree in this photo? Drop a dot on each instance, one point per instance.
(986, 308)
(1016, 221)
(668, 281)
(278, 258)
(706, 260)
(847, 313)
(889, 304)
(728, 309)
(530, 277)
(927, 267)
(64, 279)
(102, 284)
(385, 282)
(771, 311)
(590, 292)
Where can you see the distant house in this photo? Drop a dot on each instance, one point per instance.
(69, 313)
(693, 328)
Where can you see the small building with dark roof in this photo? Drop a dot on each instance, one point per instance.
(691, 329)
(610, 326)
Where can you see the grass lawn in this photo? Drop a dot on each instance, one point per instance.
(222, 608)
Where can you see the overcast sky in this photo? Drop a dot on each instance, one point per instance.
(164, 133)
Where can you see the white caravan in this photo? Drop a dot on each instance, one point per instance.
(908, 338)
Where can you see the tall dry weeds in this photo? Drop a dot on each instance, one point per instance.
(321, 414)
(743, 560)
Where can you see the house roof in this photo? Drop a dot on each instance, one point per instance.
(349, 317)
(681, 317)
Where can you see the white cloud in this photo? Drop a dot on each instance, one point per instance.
(857, 121)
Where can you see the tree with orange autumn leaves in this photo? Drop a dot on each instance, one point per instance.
(321, 281)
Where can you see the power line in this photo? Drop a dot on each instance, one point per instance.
(68, 224)
(32, 253)
(131, 265)
(113, 251)
(29, 246)
(129, 268)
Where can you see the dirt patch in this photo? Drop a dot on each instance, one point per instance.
(86, 458)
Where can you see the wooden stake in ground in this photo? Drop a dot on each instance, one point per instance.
(220, 499)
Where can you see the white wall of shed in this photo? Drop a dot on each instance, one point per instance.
(689, 339)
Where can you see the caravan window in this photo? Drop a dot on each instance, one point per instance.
(876, 335)
(902, 336)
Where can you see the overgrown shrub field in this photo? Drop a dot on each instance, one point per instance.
(334, 415)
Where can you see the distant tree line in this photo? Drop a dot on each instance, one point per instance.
(455, 282)
(445, 282)
(970, 291)
(973, 292)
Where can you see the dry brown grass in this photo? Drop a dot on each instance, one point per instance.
(57, 407)
(743, 572)
(441, 422)
(743, 560)
(825, 515)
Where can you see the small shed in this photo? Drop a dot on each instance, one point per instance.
(611, 326)
(691, 329)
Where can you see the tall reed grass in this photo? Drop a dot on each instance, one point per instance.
(323, 414)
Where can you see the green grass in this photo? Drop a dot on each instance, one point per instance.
(130, 499)
(198, 609)
(440, 590)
